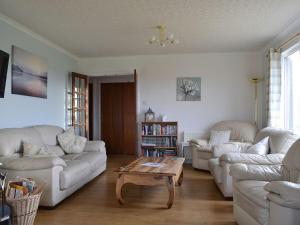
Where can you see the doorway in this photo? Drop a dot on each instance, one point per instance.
(118, 117)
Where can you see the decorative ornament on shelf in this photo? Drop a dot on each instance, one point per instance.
(162, 39)
(149, 115)
(255, 80)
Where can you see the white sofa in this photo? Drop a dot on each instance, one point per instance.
(268, 194)
(242, 134)
(62, 173)
(279, 143)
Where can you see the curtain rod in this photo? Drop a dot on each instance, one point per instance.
(288, 41)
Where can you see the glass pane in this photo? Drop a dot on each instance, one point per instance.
(69, 101)
(70, 83)
(82, 101)
(295, 91)
(77, 84)
(69, 117)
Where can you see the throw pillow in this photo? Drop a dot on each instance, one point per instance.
(71, 143)
(261, 147)
(218, 137)
(32, 150)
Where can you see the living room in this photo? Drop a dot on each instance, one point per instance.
(208, 89)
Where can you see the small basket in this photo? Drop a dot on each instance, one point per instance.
(24, 209)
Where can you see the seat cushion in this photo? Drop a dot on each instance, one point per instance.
(75, 172)
(95, 159)
(252, 198)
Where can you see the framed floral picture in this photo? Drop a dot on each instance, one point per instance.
(188, 89)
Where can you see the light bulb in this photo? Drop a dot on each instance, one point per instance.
(171, 37)
(153, 39)
(175, 42)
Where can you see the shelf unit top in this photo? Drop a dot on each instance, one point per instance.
(165, 123)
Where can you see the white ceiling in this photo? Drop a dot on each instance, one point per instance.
(94, 28)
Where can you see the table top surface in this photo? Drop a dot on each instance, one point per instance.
(168, 166)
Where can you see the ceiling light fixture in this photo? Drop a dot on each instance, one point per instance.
(162, 40)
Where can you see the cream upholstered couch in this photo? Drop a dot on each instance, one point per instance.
(268, 194)
(279, 143)
(62, 173)
(242, 134)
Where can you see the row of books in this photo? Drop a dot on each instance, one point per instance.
(159, 141)
(159, 153)
(20, 188)
(157, 129)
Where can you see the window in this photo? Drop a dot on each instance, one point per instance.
(291, 88)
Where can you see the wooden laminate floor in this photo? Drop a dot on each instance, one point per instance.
(197, 201)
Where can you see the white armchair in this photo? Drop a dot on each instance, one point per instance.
(268, 194)
(241, 137)
(279, 143)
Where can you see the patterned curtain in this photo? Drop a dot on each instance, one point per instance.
(274, 80)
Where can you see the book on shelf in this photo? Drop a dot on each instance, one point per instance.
(159, 152)
(148, 145)
(157, 129)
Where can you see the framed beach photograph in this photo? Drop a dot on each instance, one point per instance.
(188, 89)
(29, 74)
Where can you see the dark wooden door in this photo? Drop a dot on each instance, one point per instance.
(118, 117)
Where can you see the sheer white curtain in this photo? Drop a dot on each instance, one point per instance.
(274, 93)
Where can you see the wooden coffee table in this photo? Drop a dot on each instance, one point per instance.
(168, 173)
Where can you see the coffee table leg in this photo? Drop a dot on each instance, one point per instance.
(171, 188)
(180, 178)
(119, 185)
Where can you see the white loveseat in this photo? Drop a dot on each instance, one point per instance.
(268, 194)
(242, 134)
(279, 143)
(62, 173)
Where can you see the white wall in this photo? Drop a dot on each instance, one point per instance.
(18, 110)
(226, 90)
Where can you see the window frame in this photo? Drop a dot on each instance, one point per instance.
(286, 86)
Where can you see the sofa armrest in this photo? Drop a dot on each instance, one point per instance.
(95, 146)
(256, 172)
(284, 193)
(199, 142)
(254, 159)
(230, 147)
(32, 163)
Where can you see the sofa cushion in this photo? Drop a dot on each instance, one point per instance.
(260, 148)
(95, 159)
(240, 130)
(75, 172)
(11, 139)
(56, 149)
(70, 143)
(279, 140)
(252, 198)
(48, 133)
(30, 163)
(219, 137)
(95, 146)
